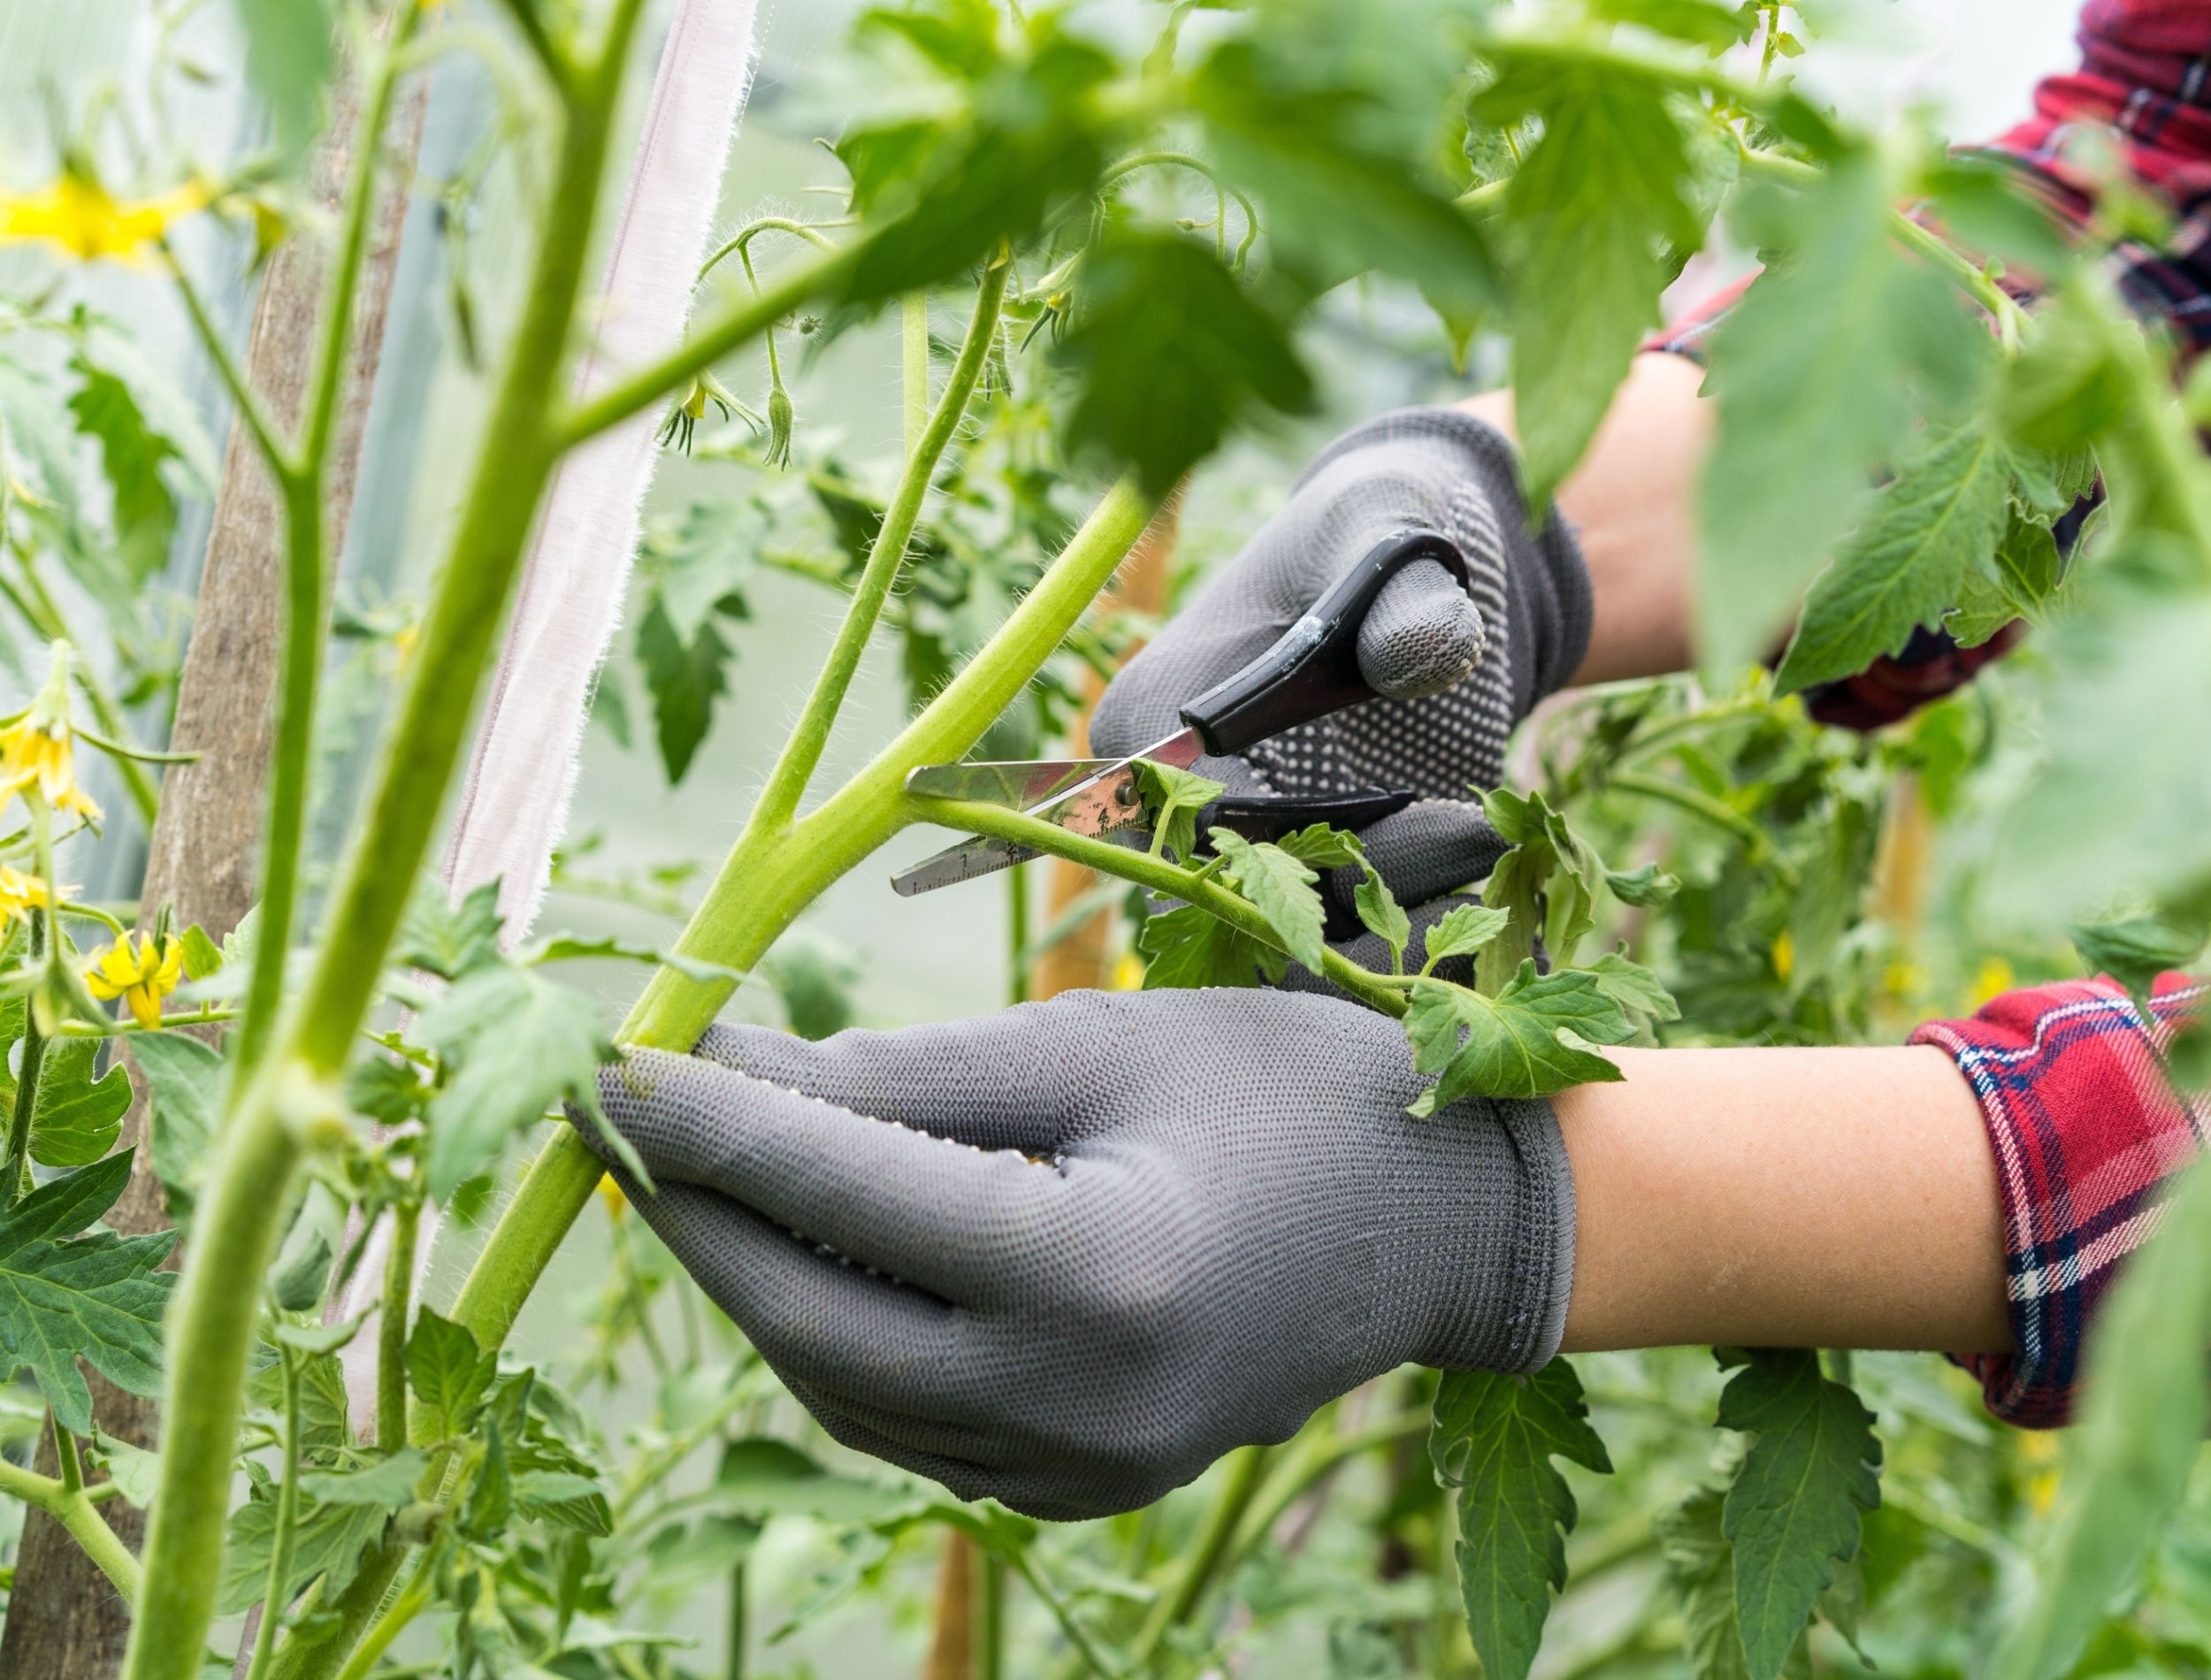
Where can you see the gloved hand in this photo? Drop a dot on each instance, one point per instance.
(1462, 669)
(1068, 1256)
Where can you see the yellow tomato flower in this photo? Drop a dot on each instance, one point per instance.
(1994, 978)
(79, 216)
(38, 754)
(20, 894)
(141, 970)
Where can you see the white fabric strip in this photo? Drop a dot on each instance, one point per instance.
(515, 800)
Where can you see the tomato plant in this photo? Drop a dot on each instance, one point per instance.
(1133, 239)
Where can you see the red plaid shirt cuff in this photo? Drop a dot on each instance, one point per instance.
(2090, 1141)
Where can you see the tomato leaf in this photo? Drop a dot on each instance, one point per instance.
(1634, 987)
(1494, 1438)
(516, 1044)
(449, 1374)
(685, 677)
(77, 1118)
(1174, 798)
(1462, 931)
(1701, 1565)
(1532, 1039)
(1588, 216)
(2135, 950)
(68, 1294)
(1165, 304)
(1940, 517)
(1793, 1510)
(1381, 915)
(1281, 889)
(184, 1078)
(1187, 947)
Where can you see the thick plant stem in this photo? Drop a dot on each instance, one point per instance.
(1247, 1468)
(287, 1515)
(212, 1322)
(391, 1329)
(212, 1325)
(802, 751)
(306, 588)
(767, 881)
(79, 1512)
(18, 1159)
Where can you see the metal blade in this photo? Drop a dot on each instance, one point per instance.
(1098, 803)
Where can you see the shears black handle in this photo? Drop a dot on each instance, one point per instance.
(1312, 671)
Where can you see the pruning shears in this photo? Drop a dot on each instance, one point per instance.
(1312, 672)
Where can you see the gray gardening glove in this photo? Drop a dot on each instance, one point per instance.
(1068, 1256)
(1462, 669)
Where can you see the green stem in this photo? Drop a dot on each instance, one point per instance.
(410, 1604)
(914, 367)
(15, 1174)
(1296, 1478)
(67, 1459)
(1017, 934)
(764, 884)
(741, 240)
(391, 1329)
(259, 426)
(211, 1318)
(79, 1514)
(992, 1635)
(802, 751)
(274, 1595)
(1157, 874)
(1700, 804)
(1032, 1570)
(1962, 272)
(733, 1662)
(306, 587)
(560, 69)
(1247, 1469)
(738, 323)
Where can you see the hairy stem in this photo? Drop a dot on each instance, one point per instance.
(1247, 1469)
(767, 879)
(78, 1511)
(802, 751)
(391, 1329)
(17, 1168)
(1159, 875)
(288, 1518)
(211, 1320)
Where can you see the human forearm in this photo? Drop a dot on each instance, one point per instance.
(1630, 503)
(1784, 1198)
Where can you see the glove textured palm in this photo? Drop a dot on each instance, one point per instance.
(1461, 666)
(1068, 1256)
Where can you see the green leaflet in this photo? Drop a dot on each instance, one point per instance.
(77, 1118)
(65, 1294)
(1647, 887)
(1941, 515)
(2017, 580)
(515, 1043)
(490, 1501)
(564, 947)
(1530, 1040)
(1174, 798)
(1805, 418)
(387, 1483)
(1634, 987)
(1546, 884)
(325, 1432)
(1494, 1438)
(2127, 1461)
(1281, 889)
(1587, 215)
(2112, 810)
(134, 453)
(1461, 933)
(1187, 946)
(449, 1374)
(1793, 1510)
(2135, 950)
(289, 55)
(1701, 1566)
(1382, 916)
(762, 1477)
(446, 938)
(329, 1541)
(685, 677)
(1164, 303)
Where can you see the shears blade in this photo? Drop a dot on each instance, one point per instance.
(1095, 797)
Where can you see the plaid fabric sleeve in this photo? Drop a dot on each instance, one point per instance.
(2090, 1142)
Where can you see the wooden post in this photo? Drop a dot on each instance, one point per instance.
(64, 1621)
